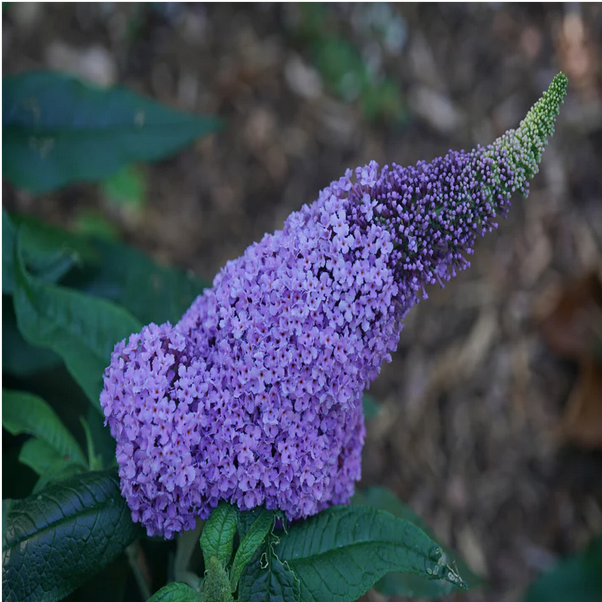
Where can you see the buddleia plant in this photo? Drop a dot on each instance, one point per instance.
(255, 396)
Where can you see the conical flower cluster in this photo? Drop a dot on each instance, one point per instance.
(254, 397)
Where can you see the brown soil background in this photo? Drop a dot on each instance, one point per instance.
(469, 431)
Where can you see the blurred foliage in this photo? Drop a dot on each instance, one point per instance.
(344, 69)
(94, 224)
(371, 406)
(577, 578)
(126, 188)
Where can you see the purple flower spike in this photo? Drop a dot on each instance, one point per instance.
(254, 397)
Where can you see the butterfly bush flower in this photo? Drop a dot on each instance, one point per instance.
(255, 396)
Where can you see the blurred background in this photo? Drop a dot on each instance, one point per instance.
(490, 421)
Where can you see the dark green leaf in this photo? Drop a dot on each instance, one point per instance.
(83, 330)
(60, 474)
(260, 524)
(41, 458)
(42, 240)
(410, 584)
(217, 538)
(578, 578)
(119, 273)
(58, 130)
(175, 592)
(19, 357)
(58, 538)
(26, 413)
(342, 552)
(267, 579)
(6, 506)
(47, 256)
(123, 273)
(8, 247)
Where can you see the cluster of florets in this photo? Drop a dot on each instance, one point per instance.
(254, 397)
(150, 396)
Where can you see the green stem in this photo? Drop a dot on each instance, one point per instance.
(132, 552)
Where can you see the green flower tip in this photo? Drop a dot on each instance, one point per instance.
(526, 144)
(539, 121)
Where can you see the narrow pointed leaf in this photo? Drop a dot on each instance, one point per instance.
(83, 330)
(217, 538)
(55, 540)
(342, 552)
(411, 584)
(27, 413)
(261, 524)
(57, 130)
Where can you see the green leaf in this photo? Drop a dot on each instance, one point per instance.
(577, 578)
(371, 407)
(266, 578)
(20, 358)
(40, 457)
(6, 506)
(122, 272)
(175, 592)
(119, 272)
(8, 245)
(217, 538)
(44, 258)
(342, 552)
(58, 538)
(40, 239)
(48, 257)
(27, 413)
(260, 524)
(57, 130)
(47, 463)
(83, 330)
(60, 474)
(410, 584)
